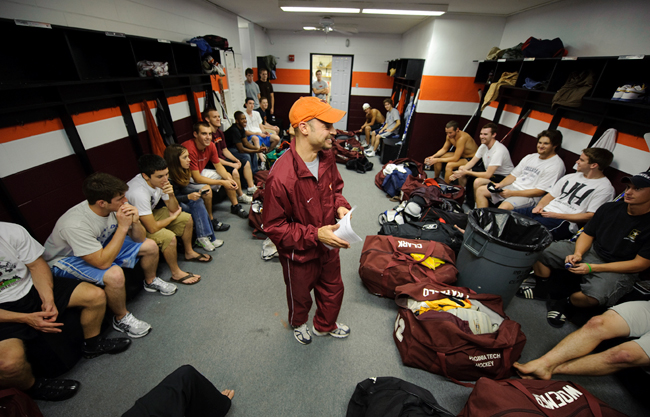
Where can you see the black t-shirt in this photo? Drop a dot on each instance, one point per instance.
(617, 235)
(266, 88)
(234, 136)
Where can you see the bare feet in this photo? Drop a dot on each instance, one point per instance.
(533, 370)
(228, 393)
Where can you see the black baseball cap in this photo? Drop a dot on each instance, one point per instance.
(640, 180)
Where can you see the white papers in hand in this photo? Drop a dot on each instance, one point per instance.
(345, 231)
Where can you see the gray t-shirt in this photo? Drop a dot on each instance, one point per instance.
(17, 249)
(319, 85)
(79, 232)
(252, 90)
(313, 167)
(391, 119)
(142, 196)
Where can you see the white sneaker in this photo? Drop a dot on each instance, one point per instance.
(370, 152)
(217, 243)
(158, 285)
(131, 326)
(245, 199)
(251, 190)
(205, 243)
(636, 93)
(262, 166)
(340, 332)
(619, 91)
(302, 334)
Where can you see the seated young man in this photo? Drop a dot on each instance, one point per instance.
(374, 120)
(238, 143)
(491, 162)
(530, 180)
(464, 150)
(263, 111)
(606, 258)
(575, 197)
(30, 303)
(255, 128)
(233, 165)
(572, 355)
(164, 224)
(389, 130)
(98, 237)
(202, 151)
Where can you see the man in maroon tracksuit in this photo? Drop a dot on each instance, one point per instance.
(301, 203)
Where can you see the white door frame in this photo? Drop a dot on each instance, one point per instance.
(343, 123)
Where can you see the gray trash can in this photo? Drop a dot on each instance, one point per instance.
(499, 250)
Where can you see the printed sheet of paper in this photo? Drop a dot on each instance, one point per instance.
(345, 231)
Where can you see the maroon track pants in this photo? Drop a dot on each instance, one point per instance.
(323, 275)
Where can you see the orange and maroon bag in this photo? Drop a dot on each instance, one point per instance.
(517, 397)
(434, 341)
(386, 263)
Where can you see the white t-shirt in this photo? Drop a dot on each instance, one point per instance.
(253, 122)
(498, 156)
(79, 232)
(142, 196)
(17, 248)
(575, 194)
(536, 173)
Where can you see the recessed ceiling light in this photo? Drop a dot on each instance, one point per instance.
(319, 9)
(309, 28)
(403, 12)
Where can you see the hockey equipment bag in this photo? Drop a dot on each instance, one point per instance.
(434, 230)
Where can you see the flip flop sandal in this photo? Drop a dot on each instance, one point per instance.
(185, 278)
(556, 318)
(198, 258)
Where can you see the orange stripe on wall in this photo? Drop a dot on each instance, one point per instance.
(443, 88)
(576, 126)
(95, 116)
(635, 142)
(291, 76)
(371, 80)
(9, 134)
(542, 117)
(176, 99)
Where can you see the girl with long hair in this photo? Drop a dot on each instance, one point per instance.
(192, 198)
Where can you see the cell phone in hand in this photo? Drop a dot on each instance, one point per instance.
(203, 192)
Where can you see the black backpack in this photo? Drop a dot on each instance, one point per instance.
(360, 164)
(393, 397)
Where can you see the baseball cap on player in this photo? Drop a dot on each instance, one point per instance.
(307, 108)
(365, 106)
(640, 180)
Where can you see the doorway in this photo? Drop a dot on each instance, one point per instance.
(336, 71)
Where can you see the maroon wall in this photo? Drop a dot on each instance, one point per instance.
(428, 133)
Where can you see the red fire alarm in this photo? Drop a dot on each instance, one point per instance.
(291, 58)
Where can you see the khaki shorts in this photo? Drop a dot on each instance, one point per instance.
(164, 237)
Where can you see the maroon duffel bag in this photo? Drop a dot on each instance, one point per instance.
(526, 397)
(386, 263)
(437, 342)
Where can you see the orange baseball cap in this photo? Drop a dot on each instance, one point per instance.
(307, 108)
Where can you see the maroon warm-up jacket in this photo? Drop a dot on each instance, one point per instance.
(296, 205)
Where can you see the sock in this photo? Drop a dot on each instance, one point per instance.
(91, 342)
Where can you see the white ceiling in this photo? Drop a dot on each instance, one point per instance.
(267, 14)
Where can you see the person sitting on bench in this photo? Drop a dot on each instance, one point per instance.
(465, 149)
(389, 130)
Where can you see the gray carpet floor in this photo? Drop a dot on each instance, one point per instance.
(232, 327)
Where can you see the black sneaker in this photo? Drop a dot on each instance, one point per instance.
(111, 346)
(559, 312)
(218, 226)
(239, 211)
(53, 389)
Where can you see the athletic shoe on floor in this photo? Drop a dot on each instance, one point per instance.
(632, 94)
(53, 389)
(239, 211)
(559, 312)
(531, 293)
(158, 285)
(205, 243)
(251, 190)
(619, 91)
(217, 243)
(302, 334)
(244, 199)
(217, 226)
(262, 166)
(340, 332)
(131, 326)
(370, 153)
(104, 345)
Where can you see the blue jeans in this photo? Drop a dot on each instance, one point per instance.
(245, 157)
(202, 223)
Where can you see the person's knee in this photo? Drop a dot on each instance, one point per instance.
(92, 296)
(627, 355)
(235, 174)
(114, 277)
(149, 247)
(12, 359)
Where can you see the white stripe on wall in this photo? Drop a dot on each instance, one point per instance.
(447, 107)
(374, 92)
(179, 110)
(291, 88)
(101, 132)
(23, 154)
